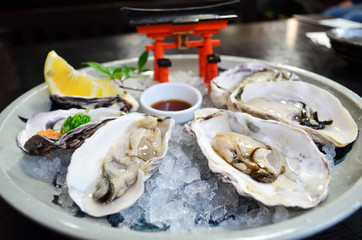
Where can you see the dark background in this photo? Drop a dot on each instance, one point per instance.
(30, 28)
(39, 21)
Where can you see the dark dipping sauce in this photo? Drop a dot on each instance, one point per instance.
(171, 105)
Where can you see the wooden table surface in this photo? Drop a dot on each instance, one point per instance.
(284, 41)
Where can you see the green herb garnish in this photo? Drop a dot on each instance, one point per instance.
(142, 60)
(73, 122)
(121, 73)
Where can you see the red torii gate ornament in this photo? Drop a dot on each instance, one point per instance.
(181, 23)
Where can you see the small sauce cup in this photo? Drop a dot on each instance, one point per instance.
(171, 91)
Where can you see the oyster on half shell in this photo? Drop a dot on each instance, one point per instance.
(33, 143)
(299, 104)
(242, 74)
(266, 160)
(107, 173)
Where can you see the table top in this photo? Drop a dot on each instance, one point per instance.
(284, 41)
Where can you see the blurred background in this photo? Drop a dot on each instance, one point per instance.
(24, 22)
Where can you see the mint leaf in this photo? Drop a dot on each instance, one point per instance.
(99, 67)
(125, 71)
(116, 70)
(133, 69)
(122, 73)
(112, 69)
(117, 75)
(142, 60)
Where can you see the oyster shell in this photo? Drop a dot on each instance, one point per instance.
(226, 82)
(107, 173)
(300, 105)
(33, 143)
(123, 102)
(266, 160)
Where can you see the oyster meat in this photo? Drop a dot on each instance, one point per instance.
(32, 142)
(242, 74)
(300, 105)
(107, 173)
(269, 161)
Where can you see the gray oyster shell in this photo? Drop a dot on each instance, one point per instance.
(125, 103)
(222, 86)
(36, 144)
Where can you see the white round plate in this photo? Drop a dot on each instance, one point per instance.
(34, 198)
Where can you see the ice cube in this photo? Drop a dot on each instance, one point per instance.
(280, 214)
(132, 214)
(167, 165)
(218, 214)
(330, 153)
(197, 187)
(191, 174)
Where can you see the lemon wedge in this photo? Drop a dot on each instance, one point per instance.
(62, 79)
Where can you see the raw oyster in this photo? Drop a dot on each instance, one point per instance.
(226, 82)
(34, 143)
(107, 173)
(300, 105)
(264, 159)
